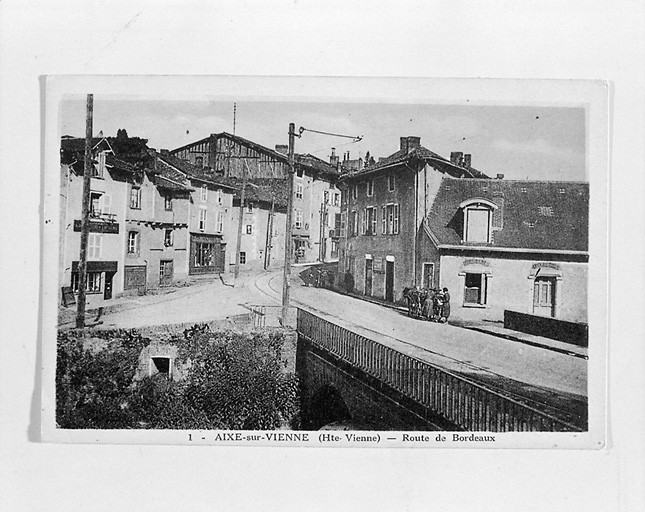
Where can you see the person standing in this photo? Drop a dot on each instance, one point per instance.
(446, 305)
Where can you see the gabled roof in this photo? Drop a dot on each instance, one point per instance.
(262, 190)
(182, 170)
(170, 178)
(420, 153)
(307, 161)
(72, 150)
(542, 215)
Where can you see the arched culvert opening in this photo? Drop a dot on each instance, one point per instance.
(327, 406)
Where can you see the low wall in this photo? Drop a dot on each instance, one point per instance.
(561, 330)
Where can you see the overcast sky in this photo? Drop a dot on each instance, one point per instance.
(540, 143)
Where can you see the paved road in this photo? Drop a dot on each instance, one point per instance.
(480, 356)
(543, 375)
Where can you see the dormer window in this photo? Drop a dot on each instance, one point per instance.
(478, 216)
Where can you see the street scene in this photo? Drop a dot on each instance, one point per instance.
(348, 276)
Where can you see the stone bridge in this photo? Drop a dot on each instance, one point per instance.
(362, 384)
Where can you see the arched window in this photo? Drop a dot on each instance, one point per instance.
(478, 215)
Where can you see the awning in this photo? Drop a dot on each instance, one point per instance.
(98, 266)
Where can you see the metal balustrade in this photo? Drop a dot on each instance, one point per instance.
(461, 401)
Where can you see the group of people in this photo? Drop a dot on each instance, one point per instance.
(430, 303)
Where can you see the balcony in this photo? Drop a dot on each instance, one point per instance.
(100, 223)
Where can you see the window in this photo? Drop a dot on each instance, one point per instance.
(334, 249)
(298, 214)
(199, 161)
(168, 238)
(475, 289)
(477, 223)
(370, 188)
(343, 225)
(336, 199)
(354, 192)
(326, 196)
(299, 172)
(390, 219)
(93, 282)
(95, 204)
(203, 195)
(220, 222)
(562, 191)
(99, 169)
(547, 211)
(135, 198)
(133, 242)
(249, 229)
(383, 220)
(202, 219)
(298, 190)
(219, 196)
(94, 246)
(353, 223)
(242, 258)
(167, 202)
(523, 190)
(391, 182)
(161, 366)
(369, 221)
(204, 254)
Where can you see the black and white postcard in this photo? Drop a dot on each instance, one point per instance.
(325, 262)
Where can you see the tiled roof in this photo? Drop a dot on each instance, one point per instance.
(260, 190)
(189, 170)
(421, 154)
(73, 152)
(316, 164)
(534, 214)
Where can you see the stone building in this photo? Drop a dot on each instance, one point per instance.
(417, 219)
(316, 198)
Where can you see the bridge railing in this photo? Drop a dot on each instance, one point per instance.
(465, 403)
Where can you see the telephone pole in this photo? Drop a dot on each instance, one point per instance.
(288, 242)
(85, 216)
(240, 221)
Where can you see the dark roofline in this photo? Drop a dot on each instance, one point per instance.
(263, 149)
(191, 176)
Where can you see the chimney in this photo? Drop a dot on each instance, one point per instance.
(165, 152)
(333, 158)
(467, 161)
(457, 157)
(500, 176)
(282, 148)
(410, 143)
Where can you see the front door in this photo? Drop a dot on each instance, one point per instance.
(165, 272)
(428, 276)
(544, 296)
(107, 292)
(368, 277)
(389, 281)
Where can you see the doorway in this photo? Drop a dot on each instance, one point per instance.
(544, 296)
(389, 281)
(166, 268)
(427, 280)
(368, 277)
(107, 291)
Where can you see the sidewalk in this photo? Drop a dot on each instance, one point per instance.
(493, 328)
(497, 329)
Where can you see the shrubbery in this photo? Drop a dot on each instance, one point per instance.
(230, 381)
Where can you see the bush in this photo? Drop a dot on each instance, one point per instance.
(231, 381)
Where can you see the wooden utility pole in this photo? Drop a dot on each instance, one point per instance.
(240, 221)
(288, 242)
(269, 242)
(85, 216)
